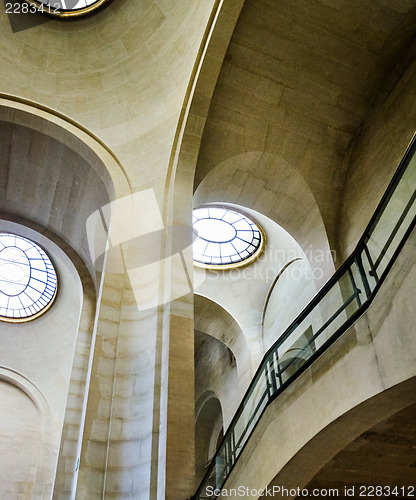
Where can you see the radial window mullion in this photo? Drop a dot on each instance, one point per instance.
(28, 280)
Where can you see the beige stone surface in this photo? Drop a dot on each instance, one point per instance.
(383, 141)
(20, 424)
(299, 81)
(303, 122)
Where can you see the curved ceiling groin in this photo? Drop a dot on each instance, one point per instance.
(299, 80)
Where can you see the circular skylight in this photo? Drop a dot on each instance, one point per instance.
(67, 8)
(224, 237)
(28, 281)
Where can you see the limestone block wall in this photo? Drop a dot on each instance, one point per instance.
(118, 428)
(378, 151)
(121, 73)
(298, 81)
(21, 428)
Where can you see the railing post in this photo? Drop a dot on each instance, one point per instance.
(373, 272)
(363, 275)
(357, 291)
(270, 379)
(232, 449)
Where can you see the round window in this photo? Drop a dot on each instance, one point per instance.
(224, 237)
(67, 8)
(28, 280)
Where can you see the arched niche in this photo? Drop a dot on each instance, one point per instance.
(20, 428)
(49, 147)
(26, 422)
(272, 187)
(266, 295)
(375, 415)
(55, 173)
(216, 371)
(209, 430)
(214, 321)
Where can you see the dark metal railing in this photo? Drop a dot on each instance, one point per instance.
(330, 313)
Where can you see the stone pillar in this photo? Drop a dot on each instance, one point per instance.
(180, 455)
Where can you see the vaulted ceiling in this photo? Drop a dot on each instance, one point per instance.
(383, 456)
(299, 80)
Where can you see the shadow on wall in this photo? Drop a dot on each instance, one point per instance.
(209, 432)
(229, 372)
(50, 177)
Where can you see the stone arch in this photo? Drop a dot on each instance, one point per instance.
(271, 186)
(289, 293)
(209, 429)
(44, 136)
(318, 452)
(44, 131)
(215, 321)
(42, 485)
(216, 372)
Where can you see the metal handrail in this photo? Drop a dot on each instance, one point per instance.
(359, 279)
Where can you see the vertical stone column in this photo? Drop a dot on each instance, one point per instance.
(180, 454)
(94, 453)
(173, 460)
(72, 432)
(139, 432)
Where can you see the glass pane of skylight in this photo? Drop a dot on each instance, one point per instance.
(224, 236)
(231, 216)
(28, 281)
(214, 230)
(242, 224)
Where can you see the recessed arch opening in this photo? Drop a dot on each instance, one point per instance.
(209, 430)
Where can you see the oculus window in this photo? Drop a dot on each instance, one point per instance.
(225, 238)
(67, 8)
(28, 280)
